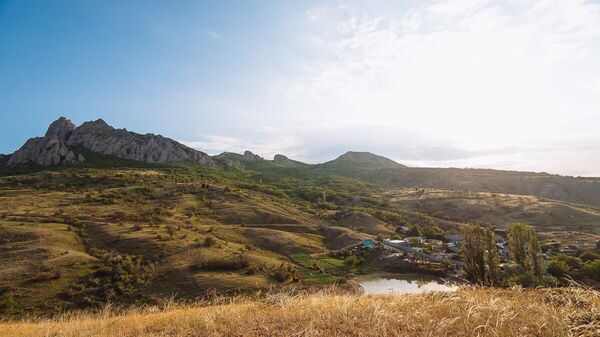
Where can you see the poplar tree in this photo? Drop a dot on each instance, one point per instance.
(492, 257)
(473, 251)
(535, 255)
(518, 242)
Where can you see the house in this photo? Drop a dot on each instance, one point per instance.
(368, 244)
(396, 243)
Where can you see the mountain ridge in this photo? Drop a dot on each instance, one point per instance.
(56, 146)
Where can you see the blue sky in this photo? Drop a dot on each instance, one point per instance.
(509, 85)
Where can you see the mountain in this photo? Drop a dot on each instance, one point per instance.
(355, 163)
(285, 161)
(4, 158)
(63, 138)
(364, 160)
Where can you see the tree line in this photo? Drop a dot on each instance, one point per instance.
(482, 260)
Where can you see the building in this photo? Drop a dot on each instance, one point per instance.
(368, 244)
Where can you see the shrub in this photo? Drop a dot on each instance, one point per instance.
(558, 268)
(592, 269)
(235, 262)
(589, 256)
(7, 301)
(284, 273)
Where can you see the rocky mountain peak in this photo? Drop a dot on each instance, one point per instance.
(61, 129)
(249, 156)
(63, 137)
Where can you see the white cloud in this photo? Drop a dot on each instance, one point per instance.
(510, 85)
(471, 75)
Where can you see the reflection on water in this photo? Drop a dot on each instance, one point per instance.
(401, 285)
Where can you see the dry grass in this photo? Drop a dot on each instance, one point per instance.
(468, 312)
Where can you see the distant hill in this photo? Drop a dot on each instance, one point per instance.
(362, 159)
(564, 188)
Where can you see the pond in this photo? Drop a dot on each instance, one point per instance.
(401, 284)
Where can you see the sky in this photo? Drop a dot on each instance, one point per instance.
(493, 84)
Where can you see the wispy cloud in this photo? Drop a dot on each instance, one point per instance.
(213, 34)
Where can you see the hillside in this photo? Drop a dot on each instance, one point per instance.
(570, 189)
(468, 312)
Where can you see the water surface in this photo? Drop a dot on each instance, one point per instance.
(401, 284)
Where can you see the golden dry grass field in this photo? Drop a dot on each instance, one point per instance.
(467, 312)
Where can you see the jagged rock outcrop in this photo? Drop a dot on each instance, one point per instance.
(61, 129)
(63, 137)
(100, 137)
(250, 157)
(48, 150)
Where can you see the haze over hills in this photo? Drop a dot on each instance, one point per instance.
(66, 144)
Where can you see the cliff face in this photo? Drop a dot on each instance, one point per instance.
(62, 136)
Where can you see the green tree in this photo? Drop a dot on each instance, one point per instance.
(473, 252)
(518, 241)
(535, 255)
(492, 258)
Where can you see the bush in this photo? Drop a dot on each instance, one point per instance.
(589, 256)
(7, 301)
(284, 273)
(558, 268)
(235, 262)
(592, 269)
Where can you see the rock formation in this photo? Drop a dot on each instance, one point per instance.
(250, 157)
(48, 150)
(62, 139)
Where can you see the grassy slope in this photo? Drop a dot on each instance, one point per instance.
(468, 312)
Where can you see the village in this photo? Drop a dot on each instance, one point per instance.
(443, 255)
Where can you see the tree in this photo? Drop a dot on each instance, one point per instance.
(518, 241)
(433, 232)
(492, 257)
(535, 255)
(414, 230)
(473, 252)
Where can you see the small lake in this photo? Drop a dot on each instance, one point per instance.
(401, 284)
